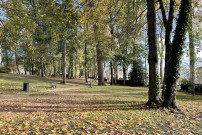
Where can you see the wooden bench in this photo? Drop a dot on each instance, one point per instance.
(53, 84)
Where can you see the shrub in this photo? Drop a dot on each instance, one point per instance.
(5, 70)
(136, 76)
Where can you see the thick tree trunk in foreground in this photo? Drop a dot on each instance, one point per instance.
(168, 24)
(176, 53)
(154, 97)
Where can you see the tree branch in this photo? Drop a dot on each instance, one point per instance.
(163, 12)
(171, 12)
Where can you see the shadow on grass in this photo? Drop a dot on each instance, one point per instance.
(70, 105)
(185, 97)
(77, 83)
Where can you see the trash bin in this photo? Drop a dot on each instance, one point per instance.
(26, 87)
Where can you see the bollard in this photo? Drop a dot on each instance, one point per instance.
(26, 87)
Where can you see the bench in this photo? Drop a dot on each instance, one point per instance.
(53, 84)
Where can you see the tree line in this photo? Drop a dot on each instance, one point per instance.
(78, 38)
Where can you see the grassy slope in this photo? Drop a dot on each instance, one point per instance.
(61, 113)
(11, 83)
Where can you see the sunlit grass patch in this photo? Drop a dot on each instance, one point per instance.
(11, 83)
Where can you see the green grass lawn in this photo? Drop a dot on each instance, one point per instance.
(11, 83)
(110, 89)
(115, 113)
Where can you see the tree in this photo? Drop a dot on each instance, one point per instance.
(136, 75)
(154, 97)
(168, 24)
(176, 53)
(191, 52)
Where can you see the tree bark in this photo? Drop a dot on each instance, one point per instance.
(42, 67)
(168, 24)
(71, 64)
(100, 65)
(176, 53)
(154, 97)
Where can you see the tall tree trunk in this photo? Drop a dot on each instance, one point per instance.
(32, 66)
(50, 69)
(7, 59)
(100, 72)
(71, 64)
(161, 53)
(116, 74)
(112, 75)
(112, 40)
(54, 68)
(124, 75)
(192, 54)
(59, 67)
(85, 53)
(176, 53)
(42, 68)
(145, 60)
(168, 24)
(100, 65)
(154, 97)
(94, 69)
(16, 62)
(100, 62)
(75, 70)
(64, 62)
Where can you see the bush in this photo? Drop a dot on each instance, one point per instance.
(185, 85)
(188, 87)
(136, 76)
(5, 70)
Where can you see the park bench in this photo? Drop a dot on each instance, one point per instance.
(53, 84)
